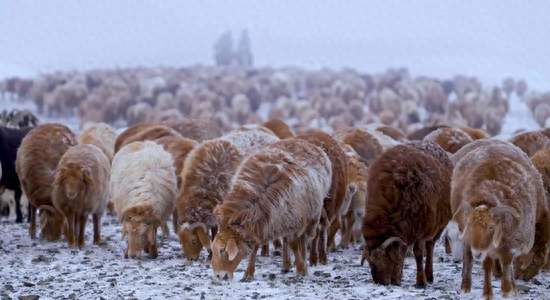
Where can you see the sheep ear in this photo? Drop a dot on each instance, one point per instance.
(497, 235)
(203, 237)
(87, 178)
(232, 249)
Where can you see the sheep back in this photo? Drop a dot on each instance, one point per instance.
(100, 135)
(280, 128)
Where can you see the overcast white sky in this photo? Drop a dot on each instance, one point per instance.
(491, 39)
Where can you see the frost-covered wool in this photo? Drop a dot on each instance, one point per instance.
(100, 135)
(530, 142)
(277, 193)
(390, 131)
(143, 132)
(200, 130)
(421, 133)
(369, 145)
(37, 160)
(450, 139)
(280, 128)
(475, 133)
(495, 197)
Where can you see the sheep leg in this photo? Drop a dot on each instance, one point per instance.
(347, 229)
(323, 260)
(81, 230)
(153, 251)
(32, 227)
(126, 252)
(97, 228)
(251, 268)
(419, 257)
(17, 196)
(313, 254)
(487, 268)
(297, 247)
(448, 248)
(286, 257)
(467, 264)
(333, 229)
(175, 221)
(497, 268)
(429, 271)
(508, 287)
(71, 217)
(277, 244)
(265, 250)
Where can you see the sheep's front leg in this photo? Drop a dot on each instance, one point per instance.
(298, 248)
(286, 256)
(419, 257)
(323, 260)
(32, 227)
(448, 248)
(487, 268)
(508, 287)
(313, 254)
(429, 271)
(333, 229)
(265, 250)
(82, 220)
(467, 263)
(497, 268)
(71, 221)
(97, 228)
(251, 269)
(347, 229)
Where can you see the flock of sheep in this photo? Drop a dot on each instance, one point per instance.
(417, 165)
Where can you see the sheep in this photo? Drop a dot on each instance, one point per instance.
(368, 144)
(206, 179)
(138, 113)
(450, 139)
(143, 189)
(475, 133)
(145, 132)
(530, 142)
(453, 241)
(80, 188)
(407, 204)
(100, 135)
(277, 193)
(390, 131)
(179, 148)
(495, 197)
(197, 129)
(280, 128)
(334, 200)
(37, 159)
(421, 133)
(10, 141)
(531, 263)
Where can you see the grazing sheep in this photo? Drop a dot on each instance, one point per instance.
(336, 196)
(530, 142)
(280, 128)
(206, 179)
(80, 188)
(450, 139)
(277, 193)
(453, 241)
(37, 159)
(143, 188)
(495, 197)
(141, 133)
(200, 130)
(407, 204)
(475, 133)
(368, 144)
(100, 135)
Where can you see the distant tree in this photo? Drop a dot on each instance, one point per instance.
(244, 54)
(223, 49)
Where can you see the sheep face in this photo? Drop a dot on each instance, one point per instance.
(193, 238)
(386, 261)
(228, 250)
(51, 223)
(73, 178)
(141, 229)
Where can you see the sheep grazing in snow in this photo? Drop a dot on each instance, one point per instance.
(206, 178)
(495, 198)
(453, 241)
(80, 188)
(334, 200)
(407, 204)
(100, 135)
(277, 193)
(37, 159)
(369, 145)
(143, 132)
(450, 139)
(530, 142)
(280, 128)
(143, 188)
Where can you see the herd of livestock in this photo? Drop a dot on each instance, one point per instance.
(389, 161)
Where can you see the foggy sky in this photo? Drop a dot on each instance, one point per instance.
(490, 39)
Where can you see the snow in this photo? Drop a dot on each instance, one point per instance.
(55, 271)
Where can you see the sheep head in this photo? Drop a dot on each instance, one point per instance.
(51, 223)
(192, 238)
(386, 261)
(140, 224)
(228, 249)
(529, 265)
(73, 178)
(482, 228)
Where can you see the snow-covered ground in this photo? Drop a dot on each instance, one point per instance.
(55, 271)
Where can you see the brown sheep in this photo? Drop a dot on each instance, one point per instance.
(421, 133)
(546, 132)
(494, 198)
(200, 130)
(530, 142)
(475, 133)
(407, 204)
(450, 139)
(100, 135)
(149, 132)
(368, 144)
(291, 173)
(81, 188)
(280, 128)
(390, 131)
(334, 200)
(37, 160)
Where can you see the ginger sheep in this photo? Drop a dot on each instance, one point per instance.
(37, 159)
(407, 204)
(450, 139)
(280, 128)
(277, 193)
(200, 130)
(530, 142)
(143, 132)
(143, 189)
(80, 188)
(368, 144)
(475, 133)
(100, 135)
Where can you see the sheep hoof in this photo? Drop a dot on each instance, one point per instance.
(420, 285)
(488, 296)
(247, 279)
(465, 289)
(276, 253)
(283, 271)
(510, 294)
